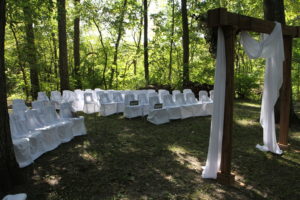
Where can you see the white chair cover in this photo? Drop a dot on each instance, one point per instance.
(107, 107)
(19, 105)
(78, 127)
(161, 93)
(90, 105)
(173, 110)
(39, 105)
(211, 95)
(132, 111)
(174, 92)
(20, 143)
(19, 129)
(157, 116)
(51, 136)
(56, 99)
(63, 127)
(203, 96)
(143, 101)
(119, 100)
(186, 110)
(79, 102)
(199, 109)
(185, 91)
(42, 96)
(21, 196)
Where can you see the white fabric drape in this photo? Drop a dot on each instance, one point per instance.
(271, 48)
(216, 132)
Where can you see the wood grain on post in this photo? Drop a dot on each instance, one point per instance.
(285, 94)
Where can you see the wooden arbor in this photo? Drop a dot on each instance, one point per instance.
(231, 24)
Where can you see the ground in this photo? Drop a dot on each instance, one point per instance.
(133, 159)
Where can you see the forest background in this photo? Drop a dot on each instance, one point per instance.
(111, 45)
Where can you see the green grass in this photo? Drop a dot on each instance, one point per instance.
(133, 159)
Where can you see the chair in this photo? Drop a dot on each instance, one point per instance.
(50, 133)
(56, 99)
(79, 103)
(174, 92)
(19, 129)
(198, 108)
(39, 105)
(118, 99)
(173, 109)
(21, 144)
(19, 105)
(143, 101)
(107, 107)
(42, 96)
(131, 111)
(90, 105)
(203, 96)
(208, 104)
(157, 116)
(21, 196)
(161, 93)
(186, 110)
(211, 95)
(64, 127)
(185, 91)
(78, 127)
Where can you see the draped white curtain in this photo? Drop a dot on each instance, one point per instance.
(216, 129)
(270, 47)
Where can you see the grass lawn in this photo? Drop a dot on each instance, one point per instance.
(133, 159)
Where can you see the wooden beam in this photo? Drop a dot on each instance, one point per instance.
(224, 176)
(285, 94)
(220, 17)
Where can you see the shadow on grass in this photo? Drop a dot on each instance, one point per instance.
(133, 159)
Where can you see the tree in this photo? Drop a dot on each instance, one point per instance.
(185, 43)
(146, 55)
(120, 28)
(78, 83)
(31, 57)
(171, 42)
(8, 166)
(274, 11)
(62, 43)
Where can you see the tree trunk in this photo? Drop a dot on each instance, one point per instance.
(8, 166)
(120, 33)
(185, 43)
(138, 46)
(104, 52)
(274, 11)
(171, 42)
(31, 52)
(78, 83)
(20, 62)
(63, 50)
(146, 62)
(55, 59)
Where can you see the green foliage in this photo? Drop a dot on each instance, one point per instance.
(246, 85)
(96, 68)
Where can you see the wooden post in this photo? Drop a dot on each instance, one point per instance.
(224, 176)
(285, 94)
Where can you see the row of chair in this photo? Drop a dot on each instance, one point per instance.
(107, 102)
(41, 129)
